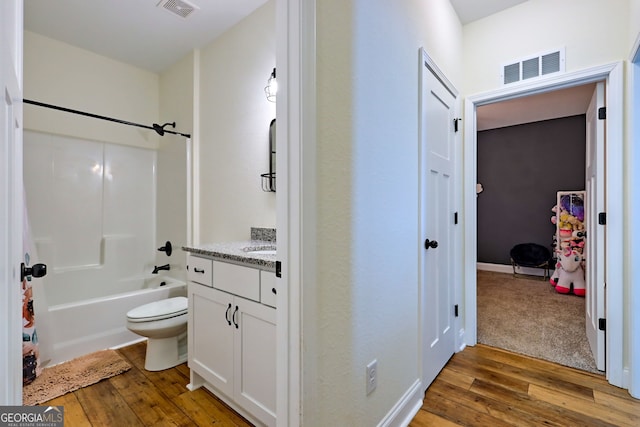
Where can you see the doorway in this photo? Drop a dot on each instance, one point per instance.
(528, 149)
(612, 75)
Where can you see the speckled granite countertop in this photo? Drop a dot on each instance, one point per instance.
(235, 252)
(243, 252)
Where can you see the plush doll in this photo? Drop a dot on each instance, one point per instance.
(556, 274)
(573, 204)
(570, 275)
(554, 217)
(565, 226)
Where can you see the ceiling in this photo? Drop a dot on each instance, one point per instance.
(140, 33)
(136, 32)
(472, 10)
(534, 108)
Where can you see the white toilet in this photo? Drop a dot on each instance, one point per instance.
(164, 323)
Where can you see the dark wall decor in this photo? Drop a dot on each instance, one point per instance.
(521, 168)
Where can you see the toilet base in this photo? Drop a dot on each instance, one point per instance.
(165, 353)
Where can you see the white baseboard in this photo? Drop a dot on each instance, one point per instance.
(406, 408)
(501, 268)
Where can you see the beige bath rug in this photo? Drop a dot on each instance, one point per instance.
(72, 375)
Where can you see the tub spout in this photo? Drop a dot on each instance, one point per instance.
(162, 267)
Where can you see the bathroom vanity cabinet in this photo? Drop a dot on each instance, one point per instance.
(232, 335)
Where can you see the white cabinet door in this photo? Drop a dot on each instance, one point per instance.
(211, 336)
(232, 340)
(255, 357)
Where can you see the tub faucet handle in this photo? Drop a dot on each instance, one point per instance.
(166, 248)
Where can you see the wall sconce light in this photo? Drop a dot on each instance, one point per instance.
(272, 87)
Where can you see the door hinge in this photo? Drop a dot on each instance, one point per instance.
(455, 124)
(455, 218)
(602, 324)
(455, 310)
(602, 113)
(278, 269)
(602, 218)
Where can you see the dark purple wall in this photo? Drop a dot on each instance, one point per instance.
(521, 168)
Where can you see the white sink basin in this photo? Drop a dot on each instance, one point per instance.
(260, 249)
(263, 252)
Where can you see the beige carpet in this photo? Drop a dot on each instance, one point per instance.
(527, 316)
(72, 375)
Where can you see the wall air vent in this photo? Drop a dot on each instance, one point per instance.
(534, 67)
(181, 8)
(512, 73)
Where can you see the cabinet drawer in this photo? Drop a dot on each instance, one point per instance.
(237, 280)
(200, 270)
(268, 288)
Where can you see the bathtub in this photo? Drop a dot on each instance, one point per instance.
(81, 327)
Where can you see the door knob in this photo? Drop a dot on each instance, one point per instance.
(430, 244)
(38, 270)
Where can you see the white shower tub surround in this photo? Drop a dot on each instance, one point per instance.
(94, 324)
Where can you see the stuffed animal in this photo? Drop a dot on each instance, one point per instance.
(554, 217)
(556, 274)
(574, 205)
(570, 275)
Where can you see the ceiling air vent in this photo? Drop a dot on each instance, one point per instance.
(533, 67)
(178, 7)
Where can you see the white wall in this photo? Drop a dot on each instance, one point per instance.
(234, 129)
(64, 75)
(176, 104)
(594, 33)
(634, 21)
(366, 298)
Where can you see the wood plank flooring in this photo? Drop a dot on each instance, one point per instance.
(142, 398)
(480, 386)
(485, 386)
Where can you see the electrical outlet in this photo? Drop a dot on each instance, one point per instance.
(372, 376)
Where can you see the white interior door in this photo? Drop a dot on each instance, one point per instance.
(595, 253)
(11, 202)
(437, 220)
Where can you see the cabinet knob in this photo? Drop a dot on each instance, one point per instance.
(274, 291)
(198, 270)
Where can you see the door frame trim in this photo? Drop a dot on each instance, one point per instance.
(295, 210)
(634, 170)
(613, 75)
(12, 211)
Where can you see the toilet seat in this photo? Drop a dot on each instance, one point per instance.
(158, 310)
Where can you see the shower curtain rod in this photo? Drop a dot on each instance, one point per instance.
(159, 129)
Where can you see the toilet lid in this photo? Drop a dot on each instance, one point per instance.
(161, 309)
